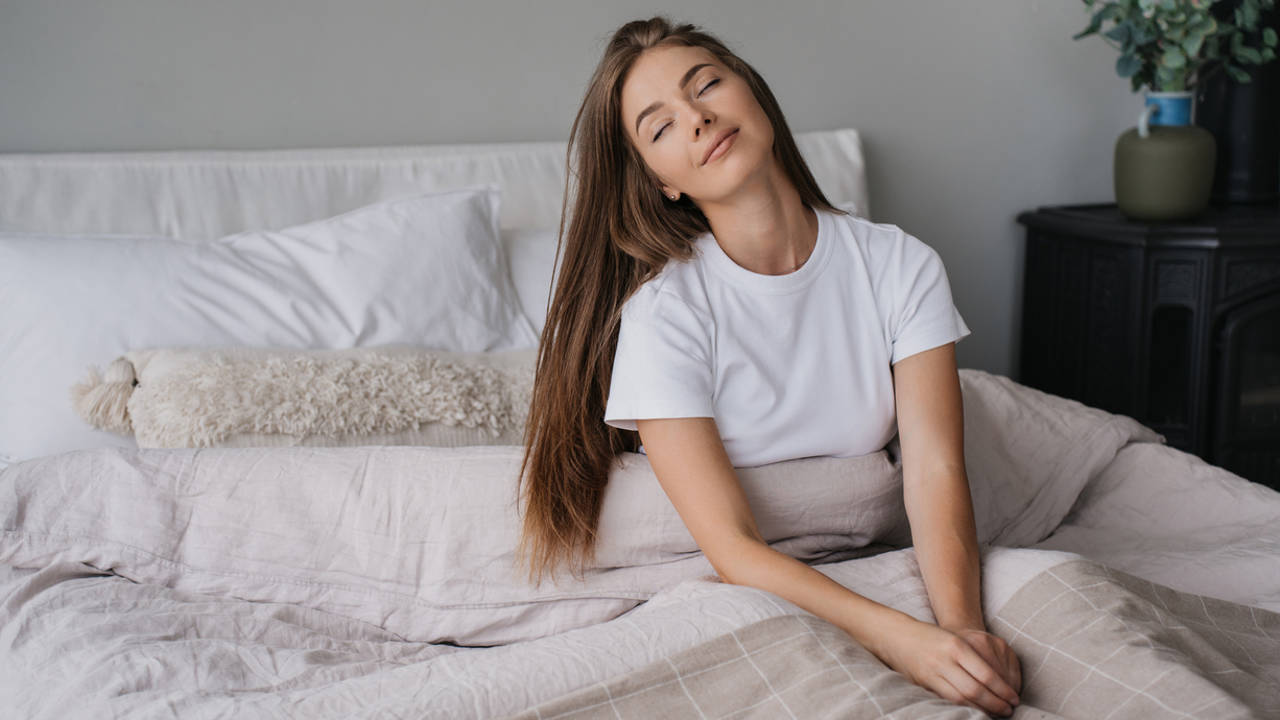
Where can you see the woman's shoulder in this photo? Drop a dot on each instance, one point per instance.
(677, 289)
(867, 232)
(885, 244)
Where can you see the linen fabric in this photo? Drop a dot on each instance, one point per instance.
(1092, 641)
(426, 269)
(792, 365)
(421, 541)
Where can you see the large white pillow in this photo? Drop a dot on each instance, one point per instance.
(532, 253)
(427, 270)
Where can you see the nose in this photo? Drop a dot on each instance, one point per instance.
(702, 118)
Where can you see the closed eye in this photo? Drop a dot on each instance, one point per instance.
(700, 92)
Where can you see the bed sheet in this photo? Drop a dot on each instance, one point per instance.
(1147, 537)
(99, 645)
(1168, 516)
(1158, 596)
(93, 644)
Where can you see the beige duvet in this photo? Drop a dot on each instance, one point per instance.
(376, 581)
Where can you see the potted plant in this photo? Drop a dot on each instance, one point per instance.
(1164, 167)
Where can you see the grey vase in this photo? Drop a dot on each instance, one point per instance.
(1167, 175)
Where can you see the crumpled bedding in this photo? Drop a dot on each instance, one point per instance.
(145, 583)
(1094, 642)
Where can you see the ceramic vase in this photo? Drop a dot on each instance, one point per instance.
(1164, 167)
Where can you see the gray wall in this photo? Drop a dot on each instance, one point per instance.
(970, 112)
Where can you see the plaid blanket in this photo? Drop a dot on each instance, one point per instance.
(1094, 642)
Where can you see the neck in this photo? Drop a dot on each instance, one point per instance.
(764, 226)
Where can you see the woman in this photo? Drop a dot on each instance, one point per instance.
(717, 312)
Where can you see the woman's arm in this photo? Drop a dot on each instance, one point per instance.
(694, 470)
(935, 487)
(939, 507)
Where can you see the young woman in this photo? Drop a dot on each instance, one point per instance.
(714, 311)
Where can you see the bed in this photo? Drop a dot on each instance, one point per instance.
(221, 520)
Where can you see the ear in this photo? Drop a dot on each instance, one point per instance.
(669, 191)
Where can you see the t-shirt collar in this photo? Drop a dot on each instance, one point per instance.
(725, 267)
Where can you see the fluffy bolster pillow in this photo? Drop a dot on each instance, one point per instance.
(273, 397)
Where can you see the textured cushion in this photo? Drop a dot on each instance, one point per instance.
(427, 270)
(254, 397)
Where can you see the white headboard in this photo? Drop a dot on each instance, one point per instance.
(204, 195)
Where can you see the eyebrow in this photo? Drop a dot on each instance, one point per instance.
(688, 75)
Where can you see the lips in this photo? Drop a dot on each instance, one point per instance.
(715, 143)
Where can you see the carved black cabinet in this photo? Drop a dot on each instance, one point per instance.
(1176, 324)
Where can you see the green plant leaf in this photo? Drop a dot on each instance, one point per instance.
(1171, 79)
(1249, 55)
(1248, 12)
(1269, 37)
(1120, 33)
(1127, 65)
(1173, 58)
(1238, 75)
(1094, 24)
(1143, 34)
(1206, 25)
(1191, 46)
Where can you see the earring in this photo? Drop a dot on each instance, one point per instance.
(673, 197)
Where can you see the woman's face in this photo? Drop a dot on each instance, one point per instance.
(683, 100)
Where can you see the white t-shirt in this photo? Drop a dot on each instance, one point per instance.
(793, 365)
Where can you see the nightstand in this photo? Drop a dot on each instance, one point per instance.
(1175, 324)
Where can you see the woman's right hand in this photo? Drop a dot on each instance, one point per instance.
(941, 661)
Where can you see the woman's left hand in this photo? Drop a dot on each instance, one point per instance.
(996, 652)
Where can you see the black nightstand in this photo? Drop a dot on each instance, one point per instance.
(1176, 324)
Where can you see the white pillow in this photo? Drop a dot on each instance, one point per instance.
(427, 270)
(532, 252)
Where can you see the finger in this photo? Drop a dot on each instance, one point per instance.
(1015, 671)
(997, 653)
(978, 668)
(948, 692)
(992, 653)
(1005, 663)
(1009, 666)
(975, 692)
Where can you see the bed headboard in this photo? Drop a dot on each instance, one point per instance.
(204, 195)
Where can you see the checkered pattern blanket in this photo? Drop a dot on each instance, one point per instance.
(1094, 642)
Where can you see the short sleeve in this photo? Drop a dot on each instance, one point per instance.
(924, 315)
(662, 367)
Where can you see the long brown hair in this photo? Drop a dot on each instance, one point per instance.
(621, 232)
